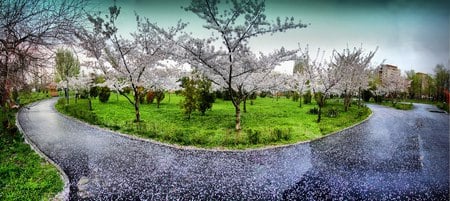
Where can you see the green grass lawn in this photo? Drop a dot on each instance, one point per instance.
(399, 105)
(267, 121)
(23, 174)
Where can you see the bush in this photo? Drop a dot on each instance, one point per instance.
(307, 97)
(150, 97)
(226, 95)
(288, 94)
(378, 99)
(332, 112)
(205, 99)
(84, 94)
(93, 91)
(104, 94)
(264, 94)
(219, 94)
(295, 96)
(366, 95)
(127, 90)
(141, 94)
(314, 110)
(159, 95)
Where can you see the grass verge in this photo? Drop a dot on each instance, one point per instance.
(23, 174)
(399, 105)
(267, 122)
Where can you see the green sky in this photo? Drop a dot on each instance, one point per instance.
(409, 34)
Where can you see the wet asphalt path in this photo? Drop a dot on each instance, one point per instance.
(395, 155)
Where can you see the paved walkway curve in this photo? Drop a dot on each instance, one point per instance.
(394, 155)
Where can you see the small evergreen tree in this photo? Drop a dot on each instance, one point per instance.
(93, 91)
(104, 94)
(307, 97)
(205, 98)
(189, 104)
(159, 96)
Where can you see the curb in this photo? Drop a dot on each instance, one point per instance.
(64, 194)
(192, 148)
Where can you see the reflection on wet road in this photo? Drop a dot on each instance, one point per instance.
(394, 155)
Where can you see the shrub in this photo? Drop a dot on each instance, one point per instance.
(295, 96)
(189, 103)
(205, 99)
(252, 97)
(378, 99)
(218, 94)
(314, 110)
(93, 91)
(150, 97)
(159, 95)
(127, 90)
(264, 94)
(288, 94)
(366, 95)
(332, 112)
(84, 94)
(141, 94)
(307, 97)
(104, 94)
(226, 95)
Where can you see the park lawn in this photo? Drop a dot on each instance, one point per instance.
(267, 122)
(23, 174)
(399, 105)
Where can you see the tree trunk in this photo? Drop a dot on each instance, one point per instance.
(4, 95)
(300, 100)
(359, 97)
(90, 103)
(66, 95)
(347, 101)
(245, 105)
(136, 109)
(238, 117)
(319, 114)
(136, 106)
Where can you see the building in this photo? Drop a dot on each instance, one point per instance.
(387, 70)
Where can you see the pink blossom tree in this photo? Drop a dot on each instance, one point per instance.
(125, 61)
(235, 24)
(354, 66)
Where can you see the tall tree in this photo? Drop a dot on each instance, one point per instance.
(323, 77)
(66, 66)
(393, 85)
(354, 67)
(28, 29)
(235, 23)
(442, 81)
(129, 60)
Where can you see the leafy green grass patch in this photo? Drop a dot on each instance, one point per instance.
(23, 174)
(267, 122)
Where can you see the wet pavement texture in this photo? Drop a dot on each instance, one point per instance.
(395, 155)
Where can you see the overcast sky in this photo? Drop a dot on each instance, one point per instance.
(408, 34)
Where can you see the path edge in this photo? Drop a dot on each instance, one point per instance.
(193, 148)
(64, 193)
